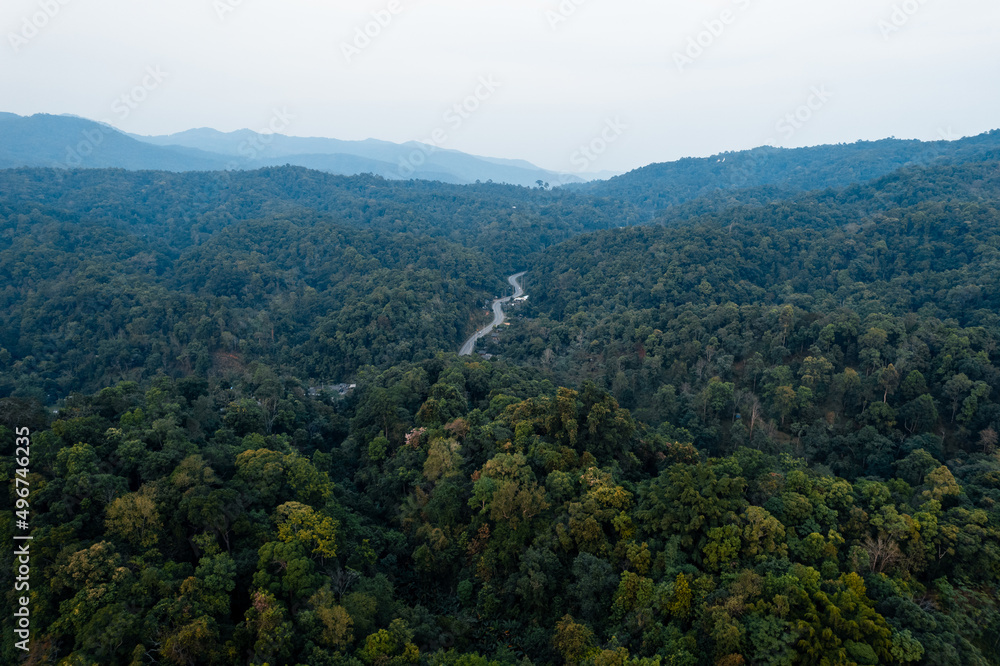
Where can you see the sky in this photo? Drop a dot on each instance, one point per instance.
(570, 85)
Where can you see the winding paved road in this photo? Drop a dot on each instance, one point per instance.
(498, 316)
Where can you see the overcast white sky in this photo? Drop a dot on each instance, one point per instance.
(564, 69)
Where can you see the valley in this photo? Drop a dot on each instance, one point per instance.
(749, 413)
(498, 315)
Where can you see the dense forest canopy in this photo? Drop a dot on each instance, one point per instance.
(183, 209)
(761, 430)
(317, 273)
(86, 305)
(820, 315)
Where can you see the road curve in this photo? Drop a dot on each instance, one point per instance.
(498, 316)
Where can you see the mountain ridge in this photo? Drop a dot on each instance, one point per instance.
(67, 141)
(662, 185)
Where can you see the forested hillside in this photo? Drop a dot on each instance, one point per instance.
(85, 305)
(113, 275)
(875, 306)
(762, 430)
(743, 175)
(181, 209)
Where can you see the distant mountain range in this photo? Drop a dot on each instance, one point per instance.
(72, 142)
(745, 176)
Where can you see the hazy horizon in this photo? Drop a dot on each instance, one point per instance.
(515, 79)
(607, 172)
